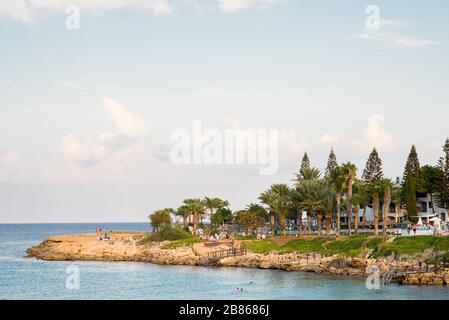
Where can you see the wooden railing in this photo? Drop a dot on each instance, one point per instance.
(233, 252)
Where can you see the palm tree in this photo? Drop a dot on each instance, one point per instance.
(214, 204)
(386, 205)
(310, 196)
(256, 216)
(267, 198)
(329, 205)
(196, 209)
(183, 211)
(257, 209)
(297, 204)
(396, 195)
(307, 173)
(376, 189)
(360, 200)
(160, 217)
(376, 212)
(278, 198)
(356, 216)
(349, 172)
(336, 183)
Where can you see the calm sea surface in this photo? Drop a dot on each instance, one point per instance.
(27, 278)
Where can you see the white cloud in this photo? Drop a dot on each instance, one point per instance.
(15, 9)
(386, 35)
(124, 122)
(230, 6)
(127, 130)
(26, 10)
(201, 6)
(372, 135)
(388, 23)
(87, 153)
(396, 40)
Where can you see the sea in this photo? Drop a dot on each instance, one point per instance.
(27, 278)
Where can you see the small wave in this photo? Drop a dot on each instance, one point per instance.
(15, 242)
(15, 259)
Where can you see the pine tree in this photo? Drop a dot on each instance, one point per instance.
(410, 196)
(332, 164)
(305, 162)
(412, 163)
(373, 170)
(443, 187)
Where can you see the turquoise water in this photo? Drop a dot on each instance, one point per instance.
(27, 278)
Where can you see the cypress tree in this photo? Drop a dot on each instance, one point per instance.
(412, 165)
(305, 162)
(332, 164)
(410, 197)
(373, 169)
(443, 186)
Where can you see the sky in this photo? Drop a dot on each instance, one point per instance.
(86, 114)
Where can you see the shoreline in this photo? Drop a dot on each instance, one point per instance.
(127, 247)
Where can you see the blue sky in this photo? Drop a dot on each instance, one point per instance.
(147, 67)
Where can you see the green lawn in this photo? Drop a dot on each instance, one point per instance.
(352, 246)
(121, 232)
(413, 245)
(304, 246)
(181, 243)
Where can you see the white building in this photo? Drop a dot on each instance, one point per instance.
(428, 208)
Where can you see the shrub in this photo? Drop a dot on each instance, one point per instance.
(167, 232)
(181, 243)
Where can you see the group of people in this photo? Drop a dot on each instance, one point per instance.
(411, 228)
(98, 234)
(238, 289)
(261, 236)
(216, 237)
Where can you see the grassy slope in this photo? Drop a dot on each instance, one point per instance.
(181, 243)
(353, 245)
(413, 245)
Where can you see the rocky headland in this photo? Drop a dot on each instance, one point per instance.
(129, 247)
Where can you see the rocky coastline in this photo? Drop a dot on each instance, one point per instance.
(128, 247)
